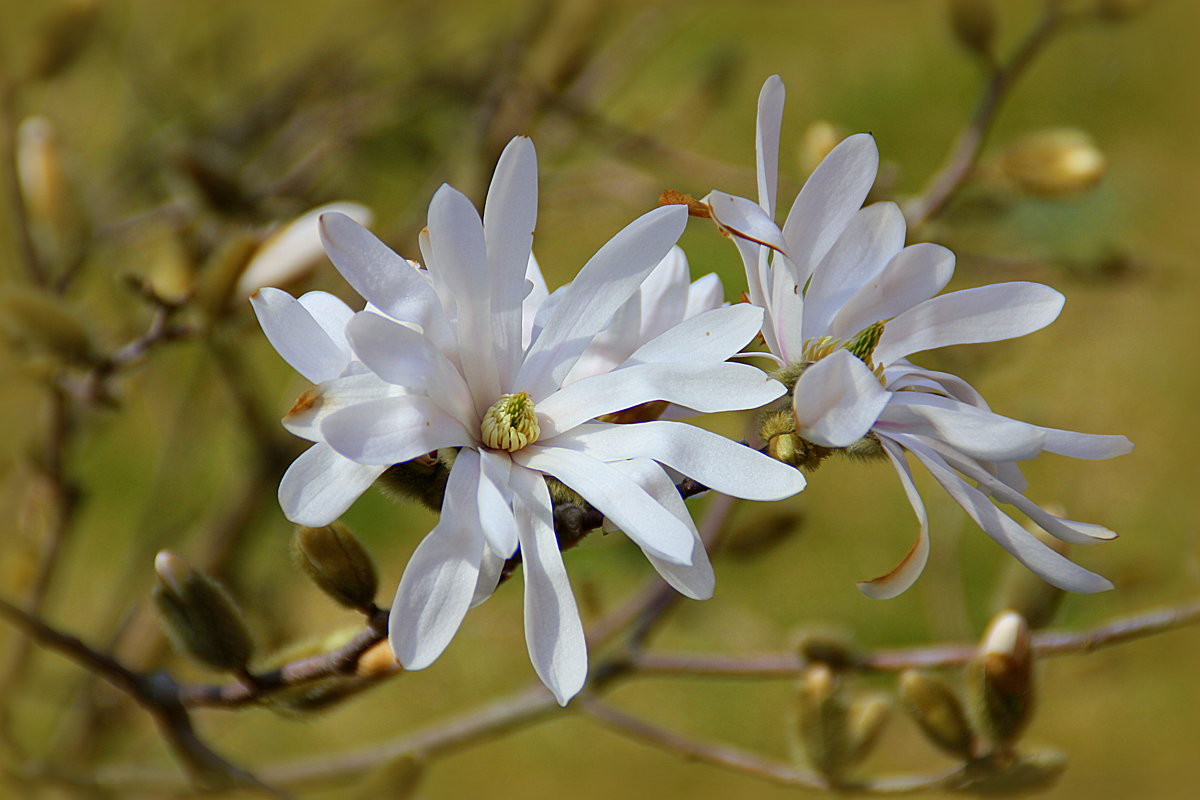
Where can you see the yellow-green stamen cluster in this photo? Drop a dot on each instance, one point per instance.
(510, 423)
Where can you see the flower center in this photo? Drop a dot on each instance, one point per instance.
(510, 423)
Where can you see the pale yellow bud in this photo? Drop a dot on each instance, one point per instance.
(1003, 677)
(818, 139)
(40, 171)
(868, 717)
(1054, 163)
(292, 250)
(510, 423)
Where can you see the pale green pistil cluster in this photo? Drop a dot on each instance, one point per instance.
(510, 423)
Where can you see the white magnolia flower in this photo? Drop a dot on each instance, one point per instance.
(447, 367)
(846, 305)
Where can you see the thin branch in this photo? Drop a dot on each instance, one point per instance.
(1045, 643)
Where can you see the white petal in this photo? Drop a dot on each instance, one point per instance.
(831, 196)
(392, 430)
(898, 580)
(718, 463)
(509, 217)
(696, 580)
(979, 434)
(712, 336)
(293, 249)
(533, 301)
(331, 314)
(495, 503)
(1022, 544)
(704, 294)
(915, 274)
(664, 295)
(745, 219)
(439, 581)
(766, 144)
(705, 387)
(553, 631)
(490, 569)
(1090, 446)
(456, 233)
(297, 337)
(787, 314)
(643, 520)
(612, 345)
(837, 400)
(588, 302)
(320, 485)
(873, 237)
(986, 314)
(385, 279)
(313, 406)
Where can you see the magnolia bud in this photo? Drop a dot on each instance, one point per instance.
(41, 322)
(823, 721)
(200, 615)
(1003, 677)
(938, 711)
(818, 139)
(1054, 163)
(1028, 773)
(40, 171)
(292, 250)
(974, 24)
(338, 564)
(867, 718)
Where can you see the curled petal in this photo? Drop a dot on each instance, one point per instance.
(745, 219)
(902, 576)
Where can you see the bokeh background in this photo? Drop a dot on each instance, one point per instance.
(185, 125)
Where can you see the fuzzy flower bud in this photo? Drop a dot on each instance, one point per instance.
(1054, 163)
(338, 564)
(867, 718)
(200, 615)
(939, 712)
(1004, 677)
(823, 721)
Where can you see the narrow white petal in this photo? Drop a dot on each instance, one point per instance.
(589, 301)
(979, 434)
(613, 345)
(712, 336)
(837, 400)
(495, 502)
(696, 580)
(532, 304)
(297, 337)
(331, 314)
(1023, 545)
(830, 198)
(872, 238)
(1090, 446)
(915, 274)
(704, 294)
(439, 581)
(745, 219)
(900, 577)
(643, 520)
(305, 417)
(385, 279)
(320, 485)
(787, 314)
(490, 569)
(509, 217)
(664, 295)
(986, 314)
(392, 430)
(705, 387)
(718, 463)
(553, 630)
(766, 144)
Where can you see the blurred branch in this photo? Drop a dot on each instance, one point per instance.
(1045, 643)
(964, 154)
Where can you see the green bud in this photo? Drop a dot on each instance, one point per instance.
(200, 615)
(40, 322)
(867, 718)
(824, 722)
(864, 342)
(1002, 678)
(974, 24)
(938, 711)
(1029, 773)
(338, 564)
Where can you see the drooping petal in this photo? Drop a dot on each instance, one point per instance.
(643, 520)
(985, 314)
(439, 581)
(553, 630)
(456, 233)
(766, 141)
(297, 337)
(495, 502)
(1023, 545)
(509, 217)
(745, 219)
(718, 463)
(915, 274)
(979, 434)
(392, 430)
(900, 577)
(831, 196)
(712, 336)
(589, 301)
(1089, 446)
(321, 484)
(872, 238)
(837, 400)
(704, 387)
(385, 279)
(695, 580)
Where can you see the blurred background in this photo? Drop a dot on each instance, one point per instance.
(176, 135)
